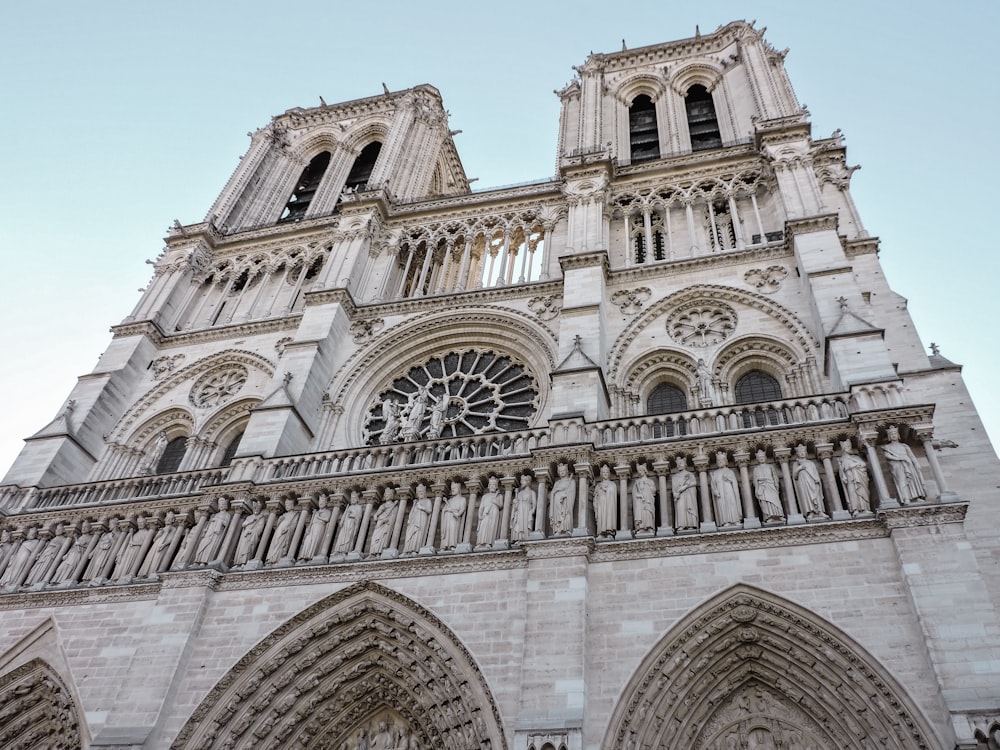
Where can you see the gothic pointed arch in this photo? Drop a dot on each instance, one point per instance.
(37, 710)
(748, 668)
(361, 654)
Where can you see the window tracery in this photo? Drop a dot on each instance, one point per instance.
(702, 324)
(218, 387)
(456, 394)
(757, 386)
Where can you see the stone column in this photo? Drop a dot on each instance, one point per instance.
(662, 469)
(583, 473)
(393, 549)
(228, 546)
(944, 494)
(782, 455)
(428, 549)
(368, 497)
(824, 451)
(508, 491)
(472, 487)
(625, 523)
(704, 494)
(750, 518)
(542, 475)
(272, 512)
(304, 505)
(885, 500)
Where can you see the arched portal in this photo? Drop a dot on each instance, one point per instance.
(360, 662)
(750, 670)
(37, 711)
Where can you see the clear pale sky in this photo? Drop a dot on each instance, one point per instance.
(119, 117)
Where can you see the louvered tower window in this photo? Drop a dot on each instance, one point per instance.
(305, 188)
(703, 124)
(643, 137)
(361, 171)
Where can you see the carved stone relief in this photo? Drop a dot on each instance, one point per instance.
(163, 366)
(766, 280)
(630, 301)
(702, 324)
(362, 330)
(547, 307)
(38, 709)
(218, 386)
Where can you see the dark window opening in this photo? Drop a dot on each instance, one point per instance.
(659, 251)
(361, 171)
(640, 249)
(703, 124)
(666, 399)
(305, 188)
(230, 452)
(644, 140)
(172, 456)
(757, 386)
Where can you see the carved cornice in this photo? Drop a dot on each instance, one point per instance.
(473, 296)
(773, 251)
(481, 201)
(931, 514)
(205, 335)
(861, 246)
(809, 224)
(659, 53)
(338, 296)
(597, 258)
(110, 593)
(705, 163)
(875, 418)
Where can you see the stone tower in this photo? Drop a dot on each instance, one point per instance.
(645, 455)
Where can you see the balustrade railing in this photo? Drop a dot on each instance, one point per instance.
(132, 488)
(719, 420)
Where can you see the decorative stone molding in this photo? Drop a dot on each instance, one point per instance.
(163, 366)
(766, 280)
(546, 307)
(933, 514)
(218, 386)
(38, 709)
(338, 664)
(362, 330)
(702, 323)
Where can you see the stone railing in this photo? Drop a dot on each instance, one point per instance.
(719, 420)
(133, 488)
(405, 455)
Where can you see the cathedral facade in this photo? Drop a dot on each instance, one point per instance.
(644, 456)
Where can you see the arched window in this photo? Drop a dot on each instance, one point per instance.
(361, 171)
(757, 386)
(666, 399)
(172, 456)
(230, 452)
(305, 188)
(703, 124)
(644, 140)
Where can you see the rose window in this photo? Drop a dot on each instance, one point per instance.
(702, 325)
(217, 387)
(455, 394)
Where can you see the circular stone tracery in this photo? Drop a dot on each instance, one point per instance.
(702, 324)
(218, 386)
(451, 395)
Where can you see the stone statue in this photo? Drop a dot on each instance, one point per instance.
(643, 500)
(807, 485)
(416, 524)
(452, 516)
(350, 522)
(158, 550)
(382, 738)
(685, 489)
(854, 478)
(317, 530)
(390, 415)
(385, 518)
(490, 508)
(704, 382)
(283, 532)
(155, 453)
(765, 488)
(213, 533)
(128, 555)
(44, 559)
(415, 413)
(606, 504)
(437, 417)
(102, 551)
(67, 566)
(725, 493)
(18, 561)
(181, 558)
(253, 527)
(904, 468)
(522, 519)
(561, 501)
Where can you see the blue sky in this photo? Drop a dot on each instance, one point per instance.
(121, 116)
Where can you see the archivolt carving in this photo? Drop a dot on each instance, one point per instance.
(249, 359)
(748, 668)
(37, 710)
(756, 352)
(175, 421)
(649, 366)
(640, 83)
(706, 72)
(328, 671)
(797, 330)
(220, 421)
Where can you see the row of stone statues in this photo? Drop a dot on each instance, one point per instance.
(458, 516)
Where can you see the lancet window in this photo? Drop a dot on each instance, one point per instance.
(757, 386)
(361, 170)
(666, 398)
(230, 453)
(703, 124)
(172, 456)
(644, 142)
(305, 188)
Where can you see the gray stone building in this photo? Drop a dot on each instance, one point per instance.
(645, 455)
